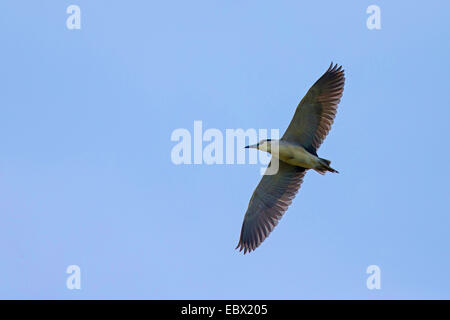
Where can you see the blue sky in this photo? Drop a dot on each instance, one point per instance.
(86, 176)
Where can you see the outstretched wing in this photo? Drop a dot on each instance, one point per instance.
(269, 202)
(316, 111)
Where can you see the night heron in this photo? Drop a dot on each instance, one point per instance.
(296, 153)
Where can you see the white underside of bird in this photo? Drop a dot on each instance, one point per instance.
(295, 155)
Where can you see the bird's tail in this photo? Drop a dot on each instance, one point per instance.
(324, 166)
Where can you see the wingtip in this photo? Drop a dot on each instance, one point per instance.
(335, 67)
(241, 246)
(331, 66)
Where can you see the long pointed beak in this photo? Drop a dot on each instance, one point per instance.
(252, 146)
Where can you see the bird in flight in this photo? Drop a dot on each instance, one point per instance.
(296, 153)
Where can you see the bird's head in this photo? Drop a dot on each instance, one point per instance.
(263, 145)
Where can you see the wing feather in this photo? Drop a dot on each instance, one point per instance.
(316, 111)
(269, 202)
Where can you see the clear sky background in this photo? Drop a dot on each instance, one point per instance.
(86, 176)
